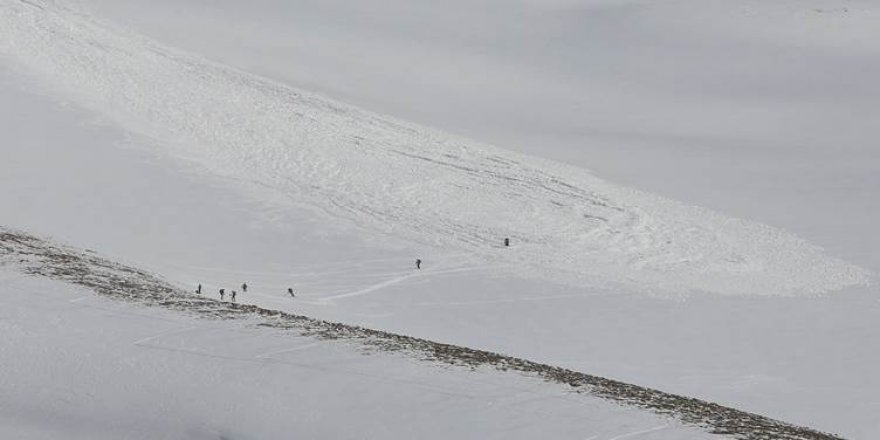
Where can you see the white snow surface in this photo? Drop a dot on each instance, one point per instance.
(760, 110)
(146, 374)
(405, 180)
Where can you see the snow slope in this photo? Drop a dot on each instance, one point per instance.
(760, 110)
(808, 164)
(76, 366)
(68, 173)
(108, 279)
(409, 181)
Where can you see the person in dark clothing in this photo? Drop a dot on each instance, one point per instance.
(233, 296)
(199, 289)
(290, 292)
(418, 263)
(506, 242)
(244, 287)
(222, 294)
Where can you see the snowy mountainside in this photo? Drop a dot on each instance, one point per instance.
(36, 257)
(401, 179)
(109, 370)
(760, 110)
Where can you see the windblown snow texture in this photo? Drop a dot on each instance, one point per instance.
(409, 181)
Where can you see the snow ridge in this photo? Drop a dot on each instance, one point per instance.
(405, 180)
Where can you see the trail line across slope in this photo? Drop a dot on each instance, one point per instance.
(638, 433)
(373, 288)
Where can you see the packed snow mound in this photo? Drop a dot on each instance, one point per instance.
(405, 180)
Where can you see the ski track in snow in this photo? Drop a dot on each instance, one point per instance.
(405, 180)
(639, 433)
(369, 289)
